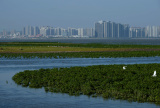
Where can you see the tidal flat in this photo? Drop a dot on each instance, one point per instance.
(65, 50)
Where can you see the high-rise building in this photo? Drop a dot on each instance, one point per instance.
(80, 32)
(44, 31)
(28, 30)
(126, 30)
(72, 31)
(137, 32)
(113, 28)
(152, 31)
(99, 29)
(52, 31)
(159, 31)
(36, 31)
(31, 31)
(109, 29)
(64, 32)
(88, 32)
(69, 31)
(120, 30)
(23, 31)
(57, 31)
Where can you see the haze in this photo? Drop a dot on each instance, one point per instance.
(16, 14)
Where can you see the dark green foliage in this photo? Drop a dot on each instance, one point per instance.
(82, 54)
(110, 81)
(90, 45)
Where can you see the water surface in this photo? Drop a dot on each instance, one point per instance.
(15, 96)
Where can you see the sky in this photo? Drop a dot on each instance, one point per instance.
(15, 14)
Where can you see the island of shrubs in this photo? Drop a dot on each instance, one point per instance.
(135, 83)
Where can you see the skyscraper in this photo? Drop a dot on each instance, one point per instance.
(120, 30)
(126, 30)
(44, 31)
(137, 32)
(107, 29)
(28, 30)
(99, 29)
(113, 28)
(36, 31)
(23, 31)
(80, 32)
(152, 31)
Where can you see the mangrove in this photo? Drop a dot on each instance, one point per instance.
(135, 83)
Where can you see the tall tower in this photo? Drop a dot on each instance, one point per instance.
(107, 29)
(36, 31)
(126, 30)
(80, 32)
(99, 29)
(23, 31)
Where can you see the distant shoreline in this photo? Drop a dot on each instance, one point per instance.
(44, 49)
(140, 41)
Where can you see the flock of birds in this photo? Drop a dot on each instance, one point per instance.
(154, 74)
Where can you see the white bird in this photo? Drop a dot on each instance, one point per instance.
(154, 74)
(124, 67)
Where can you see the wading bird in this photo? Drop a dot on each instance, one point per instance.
(154, 74)
(124, 67)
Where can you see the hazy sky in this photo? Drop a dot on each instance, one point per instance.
(77, 13)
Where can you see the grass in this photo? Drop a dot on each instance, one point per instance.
(68, 47)
(45, 49)
(39, 49)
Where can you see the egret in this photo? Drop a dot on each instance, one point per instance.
(124, 67)
(154, 74)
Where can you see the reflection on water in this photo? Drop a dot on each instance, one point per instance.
(12, 95)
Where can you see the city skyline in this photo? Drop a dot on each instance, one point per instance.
(80, 13)
(101, 29)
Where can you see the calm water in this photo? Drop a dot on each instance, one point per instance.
(15, 96)
(91, 40)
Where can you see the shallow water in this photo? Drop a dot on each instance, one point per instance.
(12, 95)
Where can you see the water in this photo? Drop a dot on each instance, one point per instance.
(145, 41)
(12, 95)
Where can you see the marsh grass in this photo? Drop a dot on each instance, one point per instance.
(64, 50)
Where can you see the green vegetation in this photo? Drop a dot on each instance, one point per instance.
(82, 54)
(89, 45)
(63, 50)
(109, 81)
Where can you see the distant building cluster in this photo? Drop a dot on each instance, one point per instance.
(49, 32)
(102, 29)
(109, 29)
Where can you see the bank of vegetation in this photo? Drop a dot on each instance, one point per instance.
(70, 50)
(82, 54)
(91, 45)
(109, 81)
